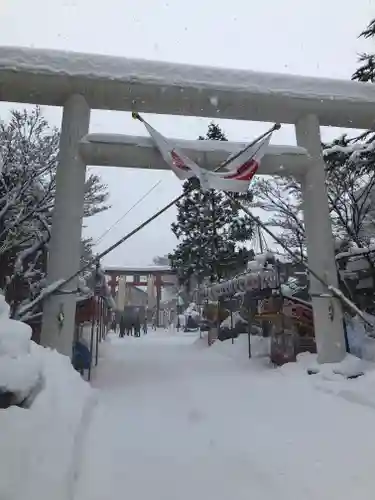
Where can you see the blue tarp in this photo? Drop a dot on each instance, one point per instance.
(81, 356)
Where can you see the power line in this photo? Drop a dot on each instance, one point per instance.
(126, 213)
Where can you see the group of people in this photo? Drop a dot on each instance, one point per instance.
(132, 326)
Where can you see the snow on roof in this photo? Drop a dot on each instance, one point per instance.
(141, 270)
(47, 76)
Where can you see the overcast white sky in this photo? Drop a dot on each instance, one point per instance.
(317, 38)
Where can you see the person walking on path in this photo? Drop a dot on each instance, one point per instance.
(154, 321)
(122, 325)
(145, 325)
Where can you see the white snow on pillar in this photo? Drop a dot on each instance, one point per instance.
(65, 245)
(329, 330)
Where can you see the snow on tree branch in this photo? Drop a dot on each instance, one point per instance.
(29, 149)
(48, 290)
(354, 151)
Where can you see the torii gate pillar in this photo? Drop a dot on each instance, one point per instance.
(65, 245)
(328, 319)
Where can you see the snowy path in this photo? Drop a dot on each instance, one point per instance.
(177, 421)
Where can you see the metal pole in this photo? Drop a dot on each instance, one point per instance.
(98, 330)
(231, 320)
(260, 240)
(102, 314)
(249, 332)
(218, 318)
(276, 126)
(158, 298)
(105, 319)
(92, 334)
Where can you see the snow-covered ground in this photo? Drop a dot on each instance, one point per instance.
(40, 445)
(175, 419)
(40, 442)
(178, 420)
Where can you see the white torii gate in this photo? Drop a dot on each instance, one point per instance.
(81, 82)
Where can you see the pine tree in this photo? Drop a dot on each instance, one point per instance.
(210, 230)
(366, 72)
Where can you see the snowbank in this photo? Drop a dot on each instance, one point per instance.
(19, 375)
(14, 337)
(20, 371)
(350, 366)
(332, 378)
(38, 443)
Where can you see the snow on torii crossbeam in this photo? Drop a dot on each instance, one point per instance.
(141, 152)
(81, 82)
(50, 76)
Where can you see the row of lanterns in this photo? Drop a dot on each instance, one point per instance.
(264, 279)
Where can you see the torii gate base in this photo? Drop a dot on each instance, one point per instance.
(82, 81)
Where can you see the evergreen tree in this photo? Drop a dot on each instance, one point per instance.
(210, 230)
(366, 71)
